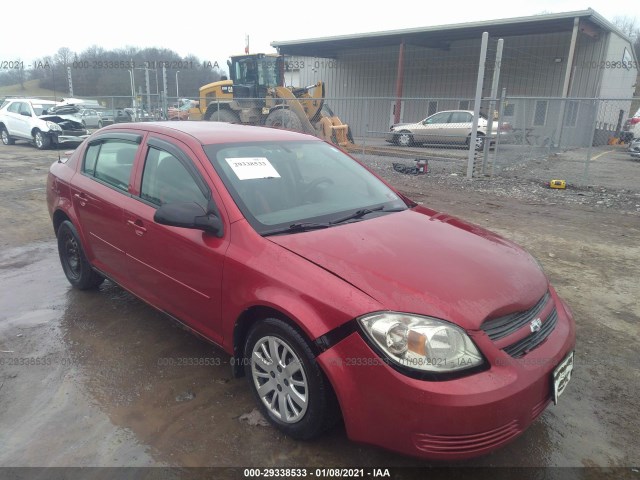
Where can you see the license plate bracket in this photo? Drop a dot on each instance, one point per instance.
(561, 376)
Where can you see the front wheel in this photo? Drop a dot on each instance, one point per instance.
(74, 262)
(6, 138)
(223, 116)
(293, 392)
(41, 140)
(283, 118)
(404, 139)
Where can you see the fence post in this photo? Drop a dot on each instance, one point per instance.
(492, 106)
(366, 125)
(500, 122)
(476, 106)
(596, 107)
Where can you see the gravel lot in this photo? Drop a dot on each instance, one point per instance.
(112, 404)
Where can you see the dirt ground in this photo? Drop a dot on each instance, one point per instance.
(91, 379)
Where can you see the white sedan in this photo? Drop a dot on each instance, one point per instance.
(451, 127)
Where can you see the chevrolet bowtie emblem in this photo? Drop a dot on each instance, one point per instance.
(536, 325)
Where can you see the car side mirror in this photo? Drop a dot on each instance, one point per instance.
(188, 215)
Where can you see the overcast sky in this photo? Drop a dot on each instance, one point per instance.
(215, 30)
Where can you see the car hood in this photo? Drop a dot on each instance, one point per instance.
(420, 261)
(62, 118)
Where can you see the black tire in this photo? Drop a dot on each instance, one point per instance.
(480, 139)
(321, 409)
(41, 140)
(74, 262)
(224, 116)
(283, 118)
(404, 138)
(6, 138)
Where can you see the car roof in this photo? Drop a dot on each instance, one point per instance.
(450, 111)
(215, 132)
(30, 100)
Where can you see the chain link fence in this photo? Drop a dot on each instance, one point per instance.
(533, 137)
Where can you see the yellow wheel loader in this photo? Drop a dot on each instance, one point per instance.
(255, 95)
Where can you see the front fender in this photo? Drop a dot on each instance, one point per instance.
(316, 300)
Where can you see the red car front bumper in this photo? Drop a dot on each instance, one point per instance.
(445, 420)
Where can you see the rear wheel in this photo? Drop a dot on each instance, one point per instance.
(283, 118)
(293, 392)
(41, 140)
(479, 141)
(74, 262)
(6, 138)
(223, 116)
(404, 139)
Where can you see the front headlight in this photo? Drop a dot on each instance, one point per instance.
(54, 126)
(421, 343)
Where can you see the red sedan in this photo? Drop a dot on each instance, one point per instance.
(334, 294)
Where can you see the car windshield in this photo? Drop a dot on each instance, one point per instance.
(42, 108)
(293, 184)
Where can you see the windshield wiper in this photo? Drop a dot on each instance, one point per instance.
(297, 227)
(307, 226)
(365, 211)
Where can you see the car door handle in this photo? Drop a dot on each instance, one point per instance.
(81, 198)
(138, 227)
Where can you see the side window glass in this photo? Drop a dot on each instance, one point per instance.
(14, 107)
(24, 109)
(461, 117)
(165, 179)
(111, 161)
(90, 158)
(440, 118)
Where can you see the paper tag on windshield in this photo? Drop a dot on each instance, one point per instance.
(250, 168)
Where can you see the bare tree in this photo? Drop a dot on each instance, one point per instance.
(64, 56)
(628, 26)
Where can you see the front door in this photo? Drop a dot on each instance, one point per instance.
(179, 270)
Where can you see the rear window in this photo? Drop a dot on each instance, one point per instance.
(111, 162)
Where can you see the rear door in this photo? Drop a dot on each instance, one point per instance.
(459, 127)
(432, 129)
(178, 270)
(98, 194)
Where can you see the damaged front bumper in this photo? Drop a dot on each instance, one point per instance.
(60, 138)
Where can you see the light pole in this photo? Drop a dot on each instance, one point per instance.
(177, 93)
(133, 88)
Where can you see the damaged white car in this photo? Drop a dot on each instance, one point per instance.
(30, 119)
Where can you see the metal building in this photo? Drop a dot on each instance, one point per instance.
(552, 65)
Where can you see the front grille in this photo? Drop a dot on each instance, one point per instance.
(501, 327)
(522, 347)
(73, 133)
(544, 310)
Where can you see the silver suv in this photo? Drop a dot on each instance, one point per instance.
(29, 119)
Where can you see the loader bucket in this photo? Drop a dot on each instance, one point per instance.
(333, 130)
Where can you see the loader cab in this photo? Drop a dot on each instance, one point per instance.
(253, 75)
